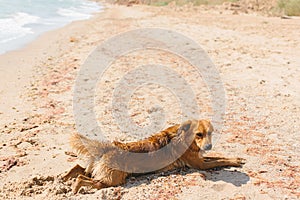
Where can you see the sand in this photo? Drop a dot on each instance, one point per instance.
(258, 61)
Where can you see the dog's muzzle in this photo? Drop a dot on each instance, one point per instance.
(207, 147)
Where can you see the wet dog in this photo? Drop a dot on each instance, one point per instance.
(109, 164)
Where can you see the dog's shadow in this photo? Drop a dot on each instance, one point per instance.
(228, 175)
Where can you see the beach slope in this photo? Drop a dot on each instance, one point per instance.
(258, 61)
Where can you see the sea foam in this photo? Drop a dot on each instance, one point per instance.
(23, 20)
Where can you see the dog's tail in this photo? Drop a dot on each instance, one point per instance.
(87, 147)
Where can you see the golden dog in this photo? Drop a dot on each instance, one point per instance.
(108, 161)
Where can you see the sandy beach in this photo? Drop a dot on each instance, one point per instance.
(258, 61)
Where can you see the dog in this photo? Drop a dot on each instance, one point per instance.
(109, 164)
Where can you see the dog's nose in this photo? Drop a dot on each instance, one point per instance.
(208, 147)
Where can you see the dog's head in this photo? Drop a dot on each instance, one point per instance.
(200, 131)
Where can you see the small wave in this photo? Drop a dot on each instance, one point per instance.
(83, 11)
(22, 21)
(25, 18)
(73, 12)
(15, 26)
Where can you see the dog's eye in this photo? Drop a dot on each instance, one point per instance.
(209, 133)
(199, 135)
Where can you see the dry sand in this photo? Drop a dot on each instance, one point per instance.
(259, 63)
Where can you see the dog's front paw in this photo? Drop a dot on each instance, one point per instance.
(240, 162)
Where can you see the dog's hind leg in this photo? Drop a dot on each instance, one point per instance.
(74, 172)
(86, 181)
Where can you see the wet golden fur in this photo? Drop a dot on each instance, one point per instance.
(104, 171)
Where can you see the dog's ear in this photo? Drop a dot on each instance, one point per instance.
(184, 127)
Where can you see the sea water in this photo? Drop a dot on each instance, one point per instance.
(23, 20)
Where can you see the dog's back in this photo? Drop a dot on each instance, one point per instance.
(153, 143)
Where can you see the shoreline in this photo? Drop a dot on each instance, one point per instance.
(249, 52)
(21, 73)
(40, 27)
